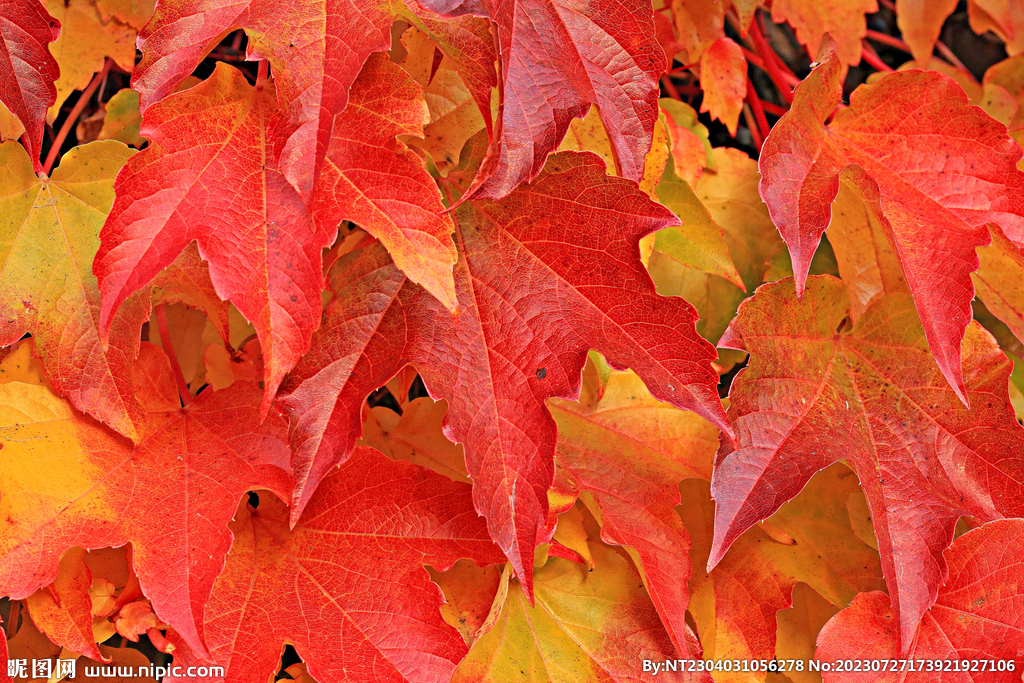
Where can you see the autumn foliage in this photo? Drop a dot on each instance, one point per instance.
(513, 340)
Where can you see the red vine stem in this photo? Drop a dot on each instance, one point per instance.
(670, 87)
(758, 107)
(261, 73)
(58, 142)
(950, 57)
(770, 66)
(868, 54)
(759, 16)
(752, 127)
(12, 619)
(946, 53)
(773, 109)
(755, 59)
(165, 341)
(886, 39)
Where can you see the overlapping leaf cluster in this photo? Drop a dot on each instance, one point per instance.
(484, 216)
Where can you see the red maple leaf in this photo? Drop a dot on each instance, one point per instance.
(316, 49)
(209, 176)
(372, 179)
(360, 604)
(543, 275)
(171, 496)
(932, 169)
(977, 616)
(27, 69)
(816, 392)
(558, 57)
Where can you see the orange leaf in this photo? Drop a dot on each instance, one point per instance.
(812, 20)
(72, 482)
(737, 604)
(723, 76)
(920, 23)
(63, 610)
(629, 451)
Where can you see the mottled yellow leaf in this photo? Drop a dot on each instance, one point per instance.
(999, 282)
(86, 39)
(865, 256)
(735, 606)
(49, 234)
(594, 625)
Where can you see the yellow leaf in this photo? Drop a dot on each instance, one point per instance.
(593, 625)
(1005, 18)
(416, 436)
(798, 628)
(10, 125)
(224, 367)
(657, 159)
(49, 234)
(1002, 81)
(191, 332)
(454, 116)
(698, 242)
(134, 12)
(999, 282)
(729, 193)
(122, 119)
(589, 135)
(469, 593)
(86, 39)
(735, 606)
(865, 257)
(571, 533)
(21, 366)
(844, 20)
(688, 140)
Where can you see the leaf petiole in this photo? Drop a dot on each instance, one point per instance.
(165, 341)
(72, 117)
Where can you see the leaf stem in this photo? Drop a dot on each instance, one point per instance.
(752, 126)
(779, 61)
(773, 109)
(768, 56)
(165, 341)
(950, 57)
(670, 87)
(755, 59)
(58, 142)
(12, 619)
(755, 104)
(886, 39)
(262, 72)
(869, 55)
